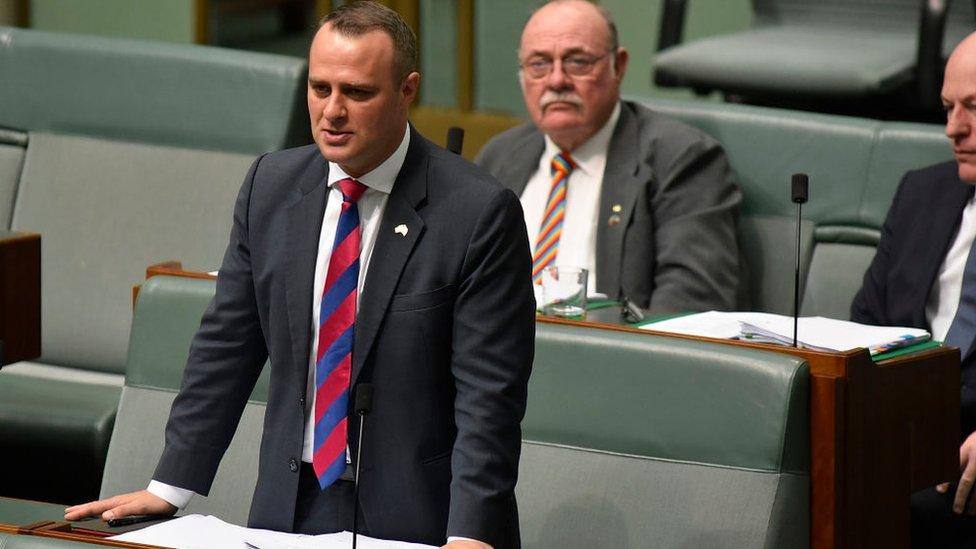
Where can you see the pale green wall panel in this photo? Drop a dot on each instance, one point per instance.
(498, 26)
(168, 20)
(438, 52)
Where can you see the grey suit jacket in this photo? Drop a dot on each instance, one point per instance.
(444, 331)
(675, 247)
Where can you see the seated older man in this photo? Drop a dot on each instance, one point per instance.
(643, 201)
(924, 275)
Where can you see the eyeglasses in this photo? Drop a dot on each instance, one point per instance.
(577, 64)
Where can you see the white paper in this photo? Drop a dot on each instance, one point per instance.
(209, 532)
(815, 331)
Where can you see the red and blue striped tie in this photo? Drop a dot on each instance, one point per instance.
(333, 360)
(551, 228)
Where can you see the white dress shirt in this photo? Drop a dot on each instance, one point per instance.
(371, 206)
(940, 308)
(577, 244)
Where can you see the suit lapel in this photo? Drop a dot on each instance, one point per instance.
(938, 238)
(391, 249)
(304, 226)
(620, 187)
(524, 161)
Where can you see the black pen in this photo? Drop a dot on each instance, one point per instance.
(134, 519)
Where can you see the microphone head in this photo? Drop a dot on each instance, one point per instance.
(455, 139)
(364, 398)
(801, 185)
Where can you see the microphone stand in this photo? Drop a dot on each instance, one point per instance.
(800, 190)
(364, 403)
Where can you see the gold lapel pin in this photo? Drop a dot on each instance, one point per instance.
(616, 208)
(401, 230)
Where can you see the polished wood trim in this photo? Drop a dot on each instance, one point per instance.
(201, 22)
(322, 8)
(479, 127)
(169, 268)
(465, 55)
(22, 11)
(20, 295)
(64, 531)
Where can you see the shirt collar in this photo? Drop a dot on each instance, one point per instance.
(382, 177)
(589, 155)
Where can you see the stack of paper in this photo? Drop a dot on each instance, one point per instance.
(813, 332)
(208, 532)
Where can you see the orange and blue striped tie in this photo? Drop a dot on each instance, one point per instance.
(337, 315)
(547, 242)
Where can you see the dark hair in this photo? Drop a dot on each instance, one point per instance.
(361, 17)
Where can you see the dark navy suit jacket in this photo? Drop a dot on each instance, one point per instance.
(916, 235)
(444, 331)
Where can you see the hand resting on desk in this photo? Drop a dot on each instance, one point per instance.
(123, 505)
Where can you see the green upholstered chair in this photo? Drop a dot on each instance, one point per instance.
(820, 50)
(131, 153)
(633, 440)
(854, 165)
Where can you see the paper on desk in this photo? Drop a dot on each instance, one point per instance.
(814, 331)
(209, 532)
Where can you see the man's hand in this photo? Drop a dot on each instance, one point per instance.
(123, 505)
(967, 463)
(466, 544)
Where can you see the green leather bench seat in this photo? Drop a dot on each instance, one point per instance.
(854, 165)
(140, 163)
(626, 436)
(632, 440)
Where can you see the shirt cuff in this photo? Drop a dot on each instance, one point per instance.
(461, 538)
(177, 497)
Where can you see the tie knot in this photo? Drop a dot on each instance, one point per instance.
(563, 163)
(352, 190)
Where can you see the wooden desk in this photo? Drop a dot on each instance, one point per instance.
(20, 296)
(878, 432)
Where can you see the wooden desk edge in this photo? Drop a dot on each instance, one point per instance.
(72, 536)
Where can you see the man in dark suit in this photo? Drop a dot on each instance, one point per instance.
(924, 275)
(435, 254)
(649, 205)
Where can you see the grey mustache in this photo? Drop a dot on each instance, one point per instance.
(550, 97)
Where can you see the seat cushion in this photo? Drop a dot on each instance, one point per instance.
(820, 61)
(575, 498)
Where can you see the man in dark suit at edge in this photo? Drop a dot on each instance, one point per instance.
(649, 205)
(410, 267)
(924, 275)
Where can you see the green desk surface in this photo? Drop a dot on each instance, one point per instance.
(18, 512)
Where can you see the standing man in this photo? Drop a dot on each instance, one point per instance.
(641, 200)
(924, 275)
(371, 256)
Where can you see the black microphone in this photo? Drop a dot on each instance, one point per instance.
(455, 139)
(363, 405)
(799, 195)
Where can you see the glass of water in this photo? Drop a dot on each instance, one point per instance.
(564, 291)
